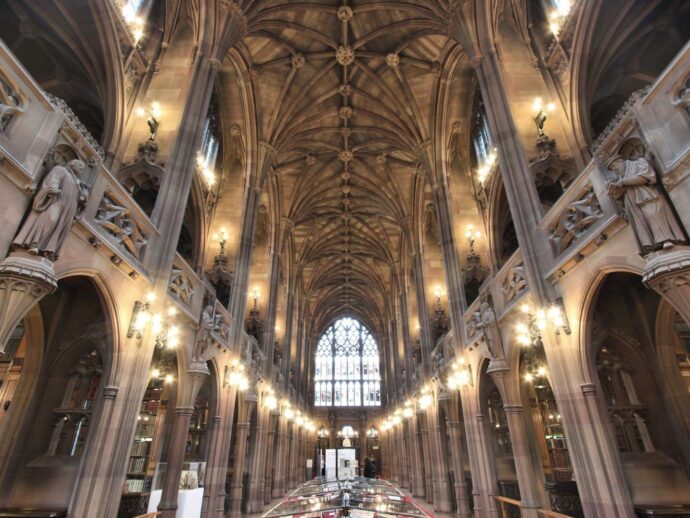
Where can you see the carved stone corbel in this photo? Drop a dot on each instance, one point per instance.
(24, 280)
(668, 273)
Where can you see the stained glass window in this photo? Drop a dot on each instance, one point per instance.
(347, 366)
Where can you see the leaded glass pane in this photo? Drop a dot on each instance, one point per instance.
(346, 355)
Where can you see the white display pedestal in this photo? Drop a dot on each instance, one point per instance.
(188, 502)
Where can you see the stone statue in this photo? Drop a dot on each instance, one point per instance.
(492, 334)
(54, 208)
(206, 323)
(649, 213)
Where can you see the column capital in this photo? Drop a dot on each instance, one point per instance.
(513, 408)
(110, 392)
(589, 389)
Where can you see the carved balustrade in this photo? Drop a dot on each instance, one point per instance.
(116, 226)
(581, 220)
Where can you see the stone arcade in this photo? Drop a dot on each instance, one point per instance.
(244, 243)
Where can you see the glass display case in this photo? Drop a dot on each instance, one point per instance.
(359, 497)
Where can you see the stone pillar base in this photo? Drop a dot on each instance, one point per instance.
(24, 280)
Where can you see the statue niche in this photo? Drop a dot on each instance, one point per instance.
(647, 209)
(58, 201)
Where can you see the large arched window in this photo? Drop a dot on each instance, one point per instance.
(347, 366)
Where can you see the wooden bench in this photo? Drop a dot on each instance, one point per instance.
(28, 512)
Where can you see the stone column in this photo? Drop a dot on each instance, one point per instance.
(292, 456)
(196, 374)
(270, 324)
(603, 481)
(668, 273)
(281, 461)
(451, 263)
(450, 406)
(424, 331)
(405, 322)
(216, 470)
(438, 462)
(257, 462)
(394, 452)
(242, 429)
(405, 456)
(417, 486)
(486, 487)
(301, 459)
(24, 280)
(530, 500)
(427, 459)
(270, 460)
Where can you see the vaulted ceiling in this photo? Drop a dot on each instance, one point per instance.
(345, 95)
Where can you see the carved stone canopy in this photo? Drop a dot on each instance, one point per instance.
(221, 277)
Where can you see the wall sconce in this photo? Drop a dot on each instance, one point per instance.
(408, 412)
(156, 374)
(255, 296)
(372, 433)
(530, 332)
(222, 238)
(541, 114)
(270, 401)
(437, 293)
(323, 432)
(386, 425)
(153, 120)
(426, 399)
(235, 376)
(460, 376)
(472, 235)
(535, 372)
(299, 420)
(288, 412)
(141, 314)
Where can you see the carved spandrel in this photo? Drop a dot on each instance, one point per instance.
(119, 223)
(575, 220)
(514, 283)
(181, 286)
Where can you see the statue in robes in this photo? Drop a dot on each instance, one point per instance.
(648, 210)
(53, 210)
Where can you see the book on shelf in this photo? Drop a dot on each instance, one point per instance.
(134, 485)
(136, 464)
(140, 448)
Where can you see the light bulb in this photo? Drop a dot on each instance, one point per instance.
(537, 104)
(156, 109)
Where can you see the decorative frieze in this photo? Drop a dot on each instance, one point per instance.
(181, 286)
(117, 220)
(514, 283)
(577, 217)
